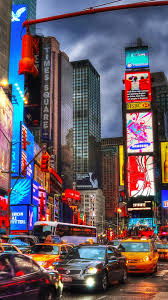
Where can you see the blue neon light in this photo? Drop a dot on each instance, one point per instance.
(19, 217)
(19, 15)
(21, 193)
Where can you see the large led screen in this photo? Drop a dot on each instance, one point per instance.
(139, 132)
(137, 86)
(19, 217)
(140, 176)
(137, 57)
(121, 160)
(21, 192)
(164, 198)
(140, 221)
(164, 161)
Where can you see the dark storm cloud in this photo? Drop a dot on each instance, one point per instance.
(102, 38)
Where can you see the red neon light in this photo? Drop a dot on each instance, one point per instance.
(56, 175)
(72, 194)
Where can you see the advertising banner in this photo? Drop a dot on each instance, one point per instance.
(138, 105)
(21, 193)
(27, 150)
(137, 57)
(137, 86)
(140, 221)
(164, 196)
(139, 132)
(19, 217)
(121, 161)
(164, 161)
(86, 181)
(45, 93)
(6, 128)
(140, 176)
(33, 216)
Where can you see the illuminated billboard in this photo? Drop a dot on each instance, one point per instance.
(21, 192)
(139, 132)
(19, 15)
(164, 195)
(6, 121)
(33, 216)
(86, 181)
(19, 217)
(27, 150)
(140, 221)
(121, 161)
(140, 176)
(137, 86)
(137, 57)
(164, 161)
(138, 105)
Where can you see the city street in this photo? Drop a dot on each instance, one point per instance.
(138, 287)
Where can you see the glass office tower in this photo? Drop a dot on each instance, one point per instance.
(86, 125)
(31, 10)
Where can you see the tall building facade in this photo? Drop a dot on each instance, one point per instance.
(110, 175)
(31, 10)
(86, 125)
(48, 112)
(5, 17)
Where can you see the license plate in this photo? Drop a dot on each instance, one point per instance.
(66, 279)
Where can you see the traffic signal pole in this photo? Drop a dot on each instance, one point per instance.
(92, 10)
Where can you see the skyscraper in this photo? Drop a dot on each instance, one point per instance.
(110, 174)
(5, 17)
(31, 10)
(86, 125)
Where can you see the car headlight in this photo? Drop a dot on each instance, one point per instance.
(146, 259)
(92, 270)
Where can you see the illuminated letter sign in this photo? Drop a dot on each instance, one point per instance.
(46, 66)
(137, 86)
(139, 132)
(140, 176)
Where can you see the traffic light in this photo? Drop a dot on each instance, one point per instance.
(45, 162)
(27, 62)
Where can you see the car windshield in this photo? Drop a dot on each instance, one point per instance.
(8, 248)
(44, 249)
(95, 253)
(135, 247)
(18, 242)
(162, 246)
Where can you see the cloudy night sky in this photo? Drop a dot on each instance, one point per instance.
(101, 38)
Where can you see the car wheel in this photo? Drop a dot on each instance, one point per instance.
(155, 269)
(104, 282)
(124, 276)
(48, 295)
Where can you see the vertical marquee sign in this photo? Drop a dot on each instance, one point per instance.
(139, 146)
(46, 67)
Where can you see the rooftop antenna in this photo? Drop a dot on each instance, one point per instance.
(139, 42)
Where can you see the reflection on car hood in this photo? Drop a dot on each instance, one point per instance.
(80, 263)
(43, 257)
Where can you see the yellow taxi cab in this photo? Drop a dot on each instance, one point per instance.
(141, 255)
(46, 254)
(162, 248)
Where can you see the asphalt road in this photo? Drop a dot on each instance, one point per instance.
(138, 287)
